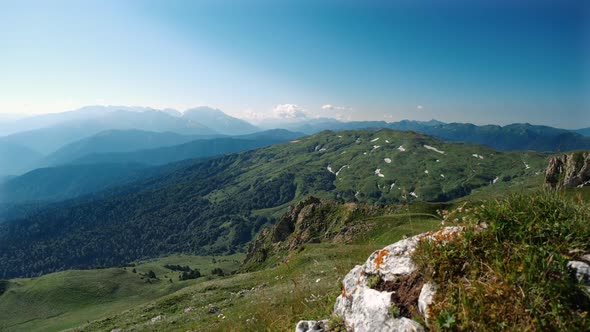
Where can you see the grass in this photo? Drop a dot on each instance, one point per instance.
(513, 275)
(304, 286)
(510, 276)
(61, 300)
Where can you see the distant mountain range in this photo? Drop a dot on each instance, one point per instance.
(583, 131)
(219, 121)
(97, 133)
(216, 205)
(49, 139)
(16, 158)
(95, 172)
(112, 141)
(507, 138)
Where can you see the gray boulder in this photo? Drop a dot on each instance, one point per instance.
(312, 326)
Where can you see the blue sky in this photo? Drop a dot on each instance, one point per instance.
(465, 61)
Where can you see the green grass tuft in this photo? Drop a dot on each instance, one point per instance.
(513, 275)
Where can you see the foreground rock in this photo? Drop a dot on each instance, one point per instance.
(386, 291)
(569, 171)
(311, 326)
(581, 270)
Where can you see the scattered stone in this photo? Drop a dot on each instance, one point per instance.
(582, 270)
(312, 326)
(189, 309)
(213, 309)
(157, 318)
(116, 330)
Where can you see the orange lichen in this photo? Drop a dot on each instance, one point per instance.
(379, 259)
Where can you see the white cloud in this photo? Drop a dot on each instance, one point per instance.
(329, 107)
(338, 112)
(289, 112)
(419, 107)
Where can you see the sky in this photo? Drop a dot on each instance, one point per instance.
(456, 61)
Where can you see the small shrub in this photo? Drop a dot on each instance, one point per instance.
(217, 271)
(336, 324)
(394, 311)
(373, 280)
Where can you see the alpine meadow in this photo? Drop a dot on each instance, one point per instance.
(307, 166)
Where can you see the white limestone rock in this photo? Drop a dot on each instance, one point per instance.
(425, 299)
(367, 310)
(394, 260)
(364, 309)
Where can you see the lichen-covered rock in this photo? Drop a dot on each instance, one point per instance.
(312, 326)
(367, 309)
(568, 171)
(394, 260)
(382, 294)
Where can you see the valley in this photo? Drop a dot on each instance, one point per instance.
(109, 235)
(301, 166)
(217, 205)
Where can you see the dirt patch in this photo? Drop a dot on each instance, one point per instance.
(406, 291)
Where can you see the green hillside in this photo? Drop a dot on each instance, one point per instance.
(292, 284)
(301, 281)
(218, 205)
(98, 171)
(65, 299)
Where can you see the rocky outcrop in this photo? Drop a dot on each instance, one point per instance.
(386, 291)
(569, 171)
(312, 220)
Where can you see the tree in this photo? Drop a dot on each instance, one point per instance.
(193, 274)
(217, 271)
